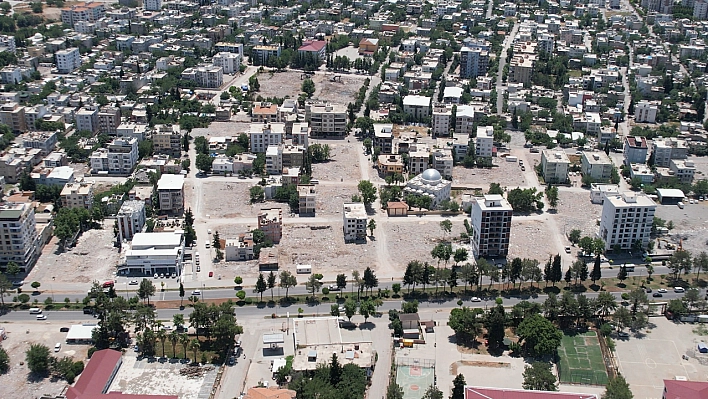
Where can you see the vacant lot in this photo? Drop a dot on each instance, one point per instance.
(343, 164)
(690, 224)
(222, 129)
(526, 236)
(17, 383)
(414, 239)
(232, 200)
(287, 85)
(507, 174)
(567, 216)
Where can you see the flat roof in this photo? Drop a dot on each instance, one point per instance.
(165, 240)
(276, 338)
(419, 101)
(170, 182)
(670, 192)
(81, 332)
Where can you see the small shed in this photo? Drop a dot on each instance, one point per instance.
(273, 340)
(702, 347)
(312, 356)
(409, 320)
(80, 334)
(397, 208)
(670, 196)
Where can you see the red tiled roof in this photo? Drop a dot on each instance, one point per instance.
(674, 389)
(637, 142)
(313, 45)
(501, 393)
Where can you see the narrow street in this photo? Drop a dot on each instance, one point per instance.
(501, 89)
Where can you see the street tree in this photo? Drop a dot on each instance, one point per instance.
(539, 336)
(146, 290)
(38, 359)
(700, 263)
(287, 281)
(5, 287)
(314, 282)
(494, 323)
(366, 309)
(371, 226)
(367, 192)
(552, 196)
(370, 279)
(181, 293)
(574, 236)
(261, 285)
(466, 323)
(458, 387)
(679, 262)
(341, 281)
(617, 388)
(538, 377)
(349, 308)
(272, 282)
(12, 269)
(605, 304)
(596, 273)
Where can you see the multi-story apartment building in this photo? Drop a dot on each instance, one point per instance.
(13, 115)
(473, 62)
(130, 219)
(45, 141)
(683, 169)
(555, 166)
(418, 107)
(18, 235)
(167, 139)
(597, 165)
(170, 194)
(626, 220)
(262, 135)
(443, 162)
(261, 54)
(645, 111)
(122, 155)
(521, 68)
(109, 120)
(484, 142)
(87, 119)
(88, 12)
(77, 195)
(418, 161)
(307, 199)
(68, 60)
(354, 221)
(209, 76)
(635, 150)
(664, 150)
(270, 222)
(239, 249)
(229, 62)
(264, 112)
(327, 120)
(491, 226)
(274, 160)
(301, 134)
(152, 5)
(441, 119)
(383, 137)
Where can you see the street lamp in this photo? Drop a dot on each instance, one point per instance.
(126, 290)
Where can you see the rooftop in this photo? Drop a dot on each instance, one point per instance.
(416, 101)
(354, 210)
(636, 142)
(503, 393)
(674, 389)
(157, 240)
(170, 182)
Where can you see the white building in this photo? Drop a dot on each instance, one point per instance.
(263, 135)
(484, 142)
(431, 184)
(130, 219)
(441, 120)
(555, 166)
(87, 119)
(239, 249)
(600, 192)
(417, 107)
(229, 62)
(596, 164)
(682, 169)
(443, 161)
(120, 157)
(626, 220)
(274, 160)
(645, 112)
(68, 60)
(18, 227)
(77, 195)
(635, 150)
(664, 150)
(154, 253)
(327, 119)
(170, 193)
(354, 221)
(491, 225)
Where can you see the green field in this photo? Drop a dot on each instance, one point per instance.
(581, 360)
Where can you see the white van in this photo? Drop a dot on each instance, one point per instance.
(680, 205)
(207, 244)
(304, 269)
(35, 311)
(679, 289)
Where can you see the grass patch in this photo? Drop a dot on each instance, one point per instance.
(581, 360)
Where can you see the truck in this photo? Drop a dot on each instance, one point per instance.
(703, 318)
(304, 269)
(511, 158)
(680, 205)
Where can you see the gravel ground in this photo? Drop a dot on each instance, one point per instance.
(284, 84)
(222, 129)
(344, 163)
(231, 200)
(568, 217)
(93, 258)
(17, 384)
(508, 174)
(402, 249)
(526, 240)
(691, 224)
(331, 198)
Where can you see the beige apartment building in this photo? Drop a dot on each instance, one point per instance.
(77, 195)
(18, 235)
(109, 120)
(327, 120)
(13, 115)
(167, 139)
(170, 194)
(307, 199)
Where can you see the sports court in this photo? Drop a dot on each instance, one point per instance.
(581, 360)
(414, 376)
(645, 363)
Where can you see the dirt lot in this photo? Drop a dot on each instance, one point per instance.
(17, 384)
(402, 248)
(232, 200)
(344, 163)
(525, 238)
(222, 129)
(691, 224)
(93, 258)
(287, 84)
(568, 217)
(505, 173)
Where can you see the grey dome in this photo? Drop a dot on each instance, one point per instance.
(431, 176)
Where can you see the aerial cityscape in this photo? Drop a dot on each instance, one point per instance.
(325, 199)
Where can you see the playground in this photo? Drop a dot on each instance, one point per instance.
(414, 376)
(581, 360)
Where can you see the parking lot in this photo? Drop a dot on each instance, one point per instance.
(645, 361)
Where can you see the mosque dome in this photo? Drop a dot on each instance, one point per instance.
(431, 176)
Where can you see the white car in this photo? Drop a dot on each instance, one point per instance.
(41, 317)
(133, 282)
(57, 347)
(196, 292)
(662, 290)
(623, 334)
(475, 299)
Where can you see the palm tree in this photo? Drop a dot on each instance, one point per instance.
(605, 303)
(184, 341)
(162, 336)
(174, 338)
(194, 346)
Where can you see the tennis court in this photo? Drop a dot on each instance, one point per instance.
(414, 376)
(581, 360)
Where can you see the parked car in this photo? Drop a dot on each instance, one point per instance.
(64, 329)
(57, 347)
(623, 334)
(211, 274)
(662, 290)
(333, 287)
(475, 299)
(133, 282)
(648, 290)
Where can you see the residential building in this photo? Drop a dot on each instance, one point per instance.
(596, 164)
(473, 62)
(86, 119)
(354, 221)
(154, 253)
(368, 46)
(418, 161)
(152, 5)
(274, 160)
(109, 120)
(700, 9)
(443, 162)
(555, 166)
(664, 150)
(307, 196)
(120, 157)
(327, 120)
(682, 169)
(58, 176)
(68, 60)
(383, 137)
(13, 115)
(270, 222)
(317, 48)
(626, 220)
(167, 139)
(301, 134)
(635, 150)
(239, 249)
(491, 226)
(262, 135)
(45, 141)
(645, 111)
(292, 156)
(521, 69)
(170, 194)
(77, 195)
(208, 76)
(429, 184)
(484, 142)
(18, 235)
(388, 164)
(600, 192)
(230, 63)
(89, 12)
(441, 119)
(261, 54)
(418, 107)
(643, 172)
(130, 219)
(263, 112)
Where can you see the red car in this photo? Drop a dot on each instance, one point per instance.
(211, 274)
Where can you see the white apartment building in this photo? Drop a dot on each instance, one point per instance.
(596, 164)
(626, 219)
(645, 112)
(491, 225)
(263, 135)
(354, 221)
(441, 119)
(555, 166)
(229, 62)
(120, 157)
(484, 142)
(418, 161)
(152, 5)
(664, 150)
(473, 62)
(209, 76)
(155, 253)
(170, 193)
(68, 60)
(87, 119)
(683, 169)
(130, 219)
(418, 107)
(307, 197)
(18, 235)
(443, 162)
(635, 150)
(301, 134)
(77, 195)
(274, 160)
(327, 120)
